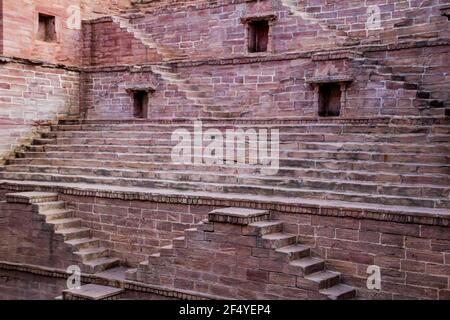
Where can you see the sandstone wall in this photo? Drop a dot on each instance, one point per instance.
(401, 81)
(32, 95)
(132, 230)
(27, 239)
(20, 27)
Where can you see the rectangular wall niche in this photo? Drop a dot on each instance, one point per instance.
(47, 28)
(329, 100)
(258, 36)
(140, 103)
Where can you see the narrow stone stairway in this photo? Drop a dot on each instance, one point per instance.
(237, 250)
(86, 249)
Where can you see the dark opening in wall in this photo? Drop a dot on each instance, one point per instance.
(140, 100)
(258, 36)
(47, 28)
(329, 100)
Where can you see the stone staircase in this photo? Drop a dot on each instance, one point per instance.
(374, 162)
(167, 54)
(200, 96)
(408, 81)
(242, 253)
(86, 249)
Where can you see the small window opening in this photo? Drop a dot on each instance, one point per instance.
(258, 36)
(140, 100)
(47, 28)
(329, 100)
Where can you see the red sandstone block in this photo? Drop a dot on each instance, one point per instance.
(348, 255)
(410, 290)
(258, 275)
(435, 232)
(425, 280)
(425, 256)
(369, 236)
(438, 269)
(247, 241)
(326, 232)
(222, 291)
(393, 240)
(227, 228)
(417, 243)
(344, 223)
(440, 245)
(282, 279)
(347, 234)
(390, 227)
(411, 265)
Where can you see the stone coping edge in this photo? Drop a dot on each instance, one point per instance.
(101, 280)
(263, 204)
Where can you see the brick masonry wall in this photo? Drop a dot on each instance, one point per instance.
(27, 239)
(31, 94)
(20, 26)
(414, 259)
(15, 285)
(105, 43)
(204, 30)
(385, 83)
(106, 93)
(135, 229)
(400, 20)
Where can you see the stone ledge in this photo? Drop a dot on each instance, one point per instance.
(273, 121)
(99, 280)
(240, 216)
(400, 214)
(31, 197)
(338, 53)
(92, 292)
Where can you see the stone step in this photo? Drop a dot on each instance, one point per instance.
(92, 253)
(391, 148)
(286, 155)
(240, 216)
(293, 252)
(381, 199)
(372, 187)
(31, 197)
(261, 228)
(83, 243)
(340, 292)
(74, 233)
(50, 206)
(324, 279)
(283, 138)
(318, 133)
(285, 164)
(187, 172)
(66, 223)
(276, 240)
(101, 264)
(92, 292)
(307, 266)
(56, 214)
(380, 125)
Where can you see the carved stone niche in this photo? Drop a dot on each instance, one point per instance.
(258, 35)
(140, 96)
(445, 11)
(330, 94)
